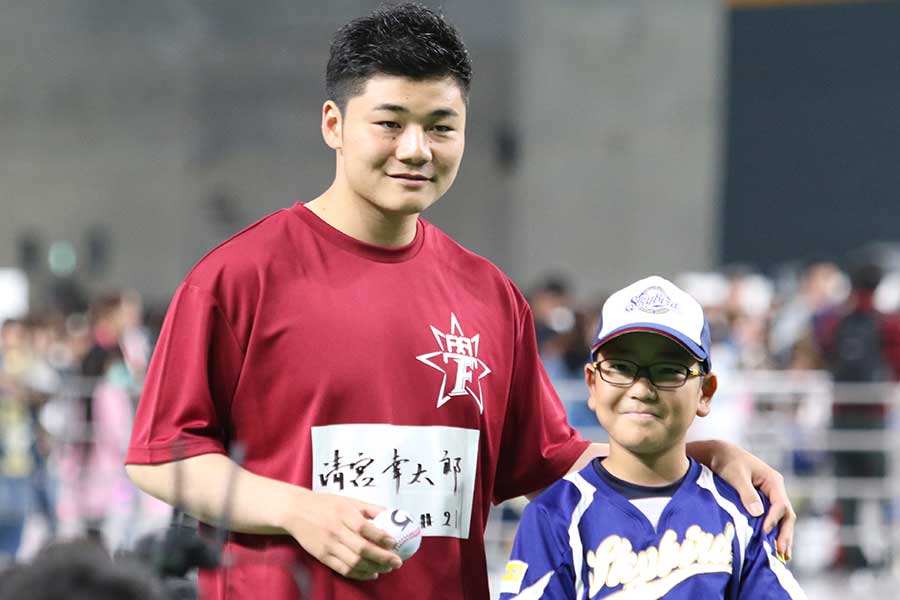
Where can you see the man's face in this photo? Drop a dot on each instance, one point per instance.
(400, 142)
(641, 417)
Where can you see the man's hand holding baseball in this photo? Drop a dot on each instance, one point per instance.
(337, 532)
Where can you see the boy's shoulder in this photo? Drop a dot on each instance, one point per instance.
(725, 495)
(559, 502)
(566, 492)
(577, 491)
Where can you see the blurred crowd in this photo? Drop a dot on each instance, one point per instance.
(69, 382)
(818, 317)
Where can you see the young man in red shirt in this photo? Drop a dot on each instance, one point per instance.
(363, 359)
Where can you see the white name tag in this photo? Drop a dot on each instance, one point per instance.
(427, 471)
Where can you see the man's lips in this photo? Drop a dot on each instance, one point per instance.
(409, 176)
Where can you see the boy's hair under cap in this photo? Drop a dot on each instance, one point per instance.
(656, 305)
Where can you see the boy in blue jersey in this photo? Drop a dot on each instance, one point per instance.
(646, 522)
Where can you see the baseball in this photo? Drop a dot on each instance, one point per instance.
(400, 526)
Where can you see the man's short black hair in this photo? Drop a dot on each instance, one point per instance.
(406, 40)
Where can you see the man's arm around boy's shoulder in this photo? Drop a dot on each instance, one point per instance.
(765, 574)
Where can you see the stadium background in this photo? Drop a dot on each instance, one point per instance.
(725, 144)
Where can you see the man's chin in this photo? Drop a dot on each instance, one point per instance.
(406, 206)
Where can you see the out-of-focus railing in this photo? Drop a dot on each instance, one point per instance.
(838, 445)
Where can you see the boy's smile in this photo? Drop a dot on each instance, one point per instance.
(643, 419)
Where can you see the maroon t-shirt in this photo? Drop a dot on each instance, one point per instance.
(408, 377)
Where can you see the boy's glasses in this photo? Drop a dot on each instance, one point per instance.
(665, 376)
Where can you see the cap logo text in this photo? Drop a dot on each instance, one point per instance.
(653, 300)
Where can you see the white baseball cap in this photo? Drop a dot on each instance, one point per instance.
(656, 305)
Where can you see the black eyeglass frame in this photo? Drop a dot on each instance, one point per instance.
(645, 370)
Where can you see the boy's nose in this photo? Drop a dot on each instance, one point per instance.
(643, 389)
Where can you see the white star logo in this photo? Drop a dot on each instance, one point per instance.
(461, 351)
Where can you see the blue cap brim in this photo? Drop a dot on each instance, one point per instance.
(687, 343)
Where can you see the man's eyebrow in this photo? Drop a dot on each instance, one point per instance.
(399, 108)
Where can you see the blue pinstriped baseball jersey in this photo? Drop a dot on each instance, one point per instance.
(581, 539)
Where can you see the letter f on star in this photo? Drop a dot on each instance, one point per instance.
(459, 352)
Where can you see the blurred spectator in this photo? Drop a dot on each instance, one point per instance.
(76, 456)
(748, 307)
(106, 328)
(134, 336)
(791, 341)
(852, 335)
(42, 383)
(77, 511)
(550, 302)
(558, 328)
(78, 570)
(854, 339)
(16, 436)
(26, 382)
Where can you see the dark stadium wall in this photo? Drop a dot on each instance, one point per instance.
(813, 132)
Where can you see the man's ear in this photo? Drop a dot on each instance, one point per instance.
(590, 373)
(707, 390)
(332, 122)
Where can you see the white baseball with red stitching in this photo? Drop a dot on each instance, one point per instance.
(403, 528)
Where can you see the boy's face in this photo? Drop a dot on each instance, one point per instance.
(399, 143)
(641, 417)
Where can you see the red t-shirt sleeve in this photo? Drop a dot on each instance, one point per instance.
(190, 382)
(538, 444)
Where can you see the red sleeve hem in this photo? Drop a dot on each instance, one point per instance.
(557, 466)
(143, 455)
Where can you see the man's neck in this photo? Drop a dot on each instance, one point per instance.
(362, 221)
(651, 470)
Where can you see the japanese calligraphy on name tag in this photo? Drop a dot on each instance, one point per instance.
(428, 471)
